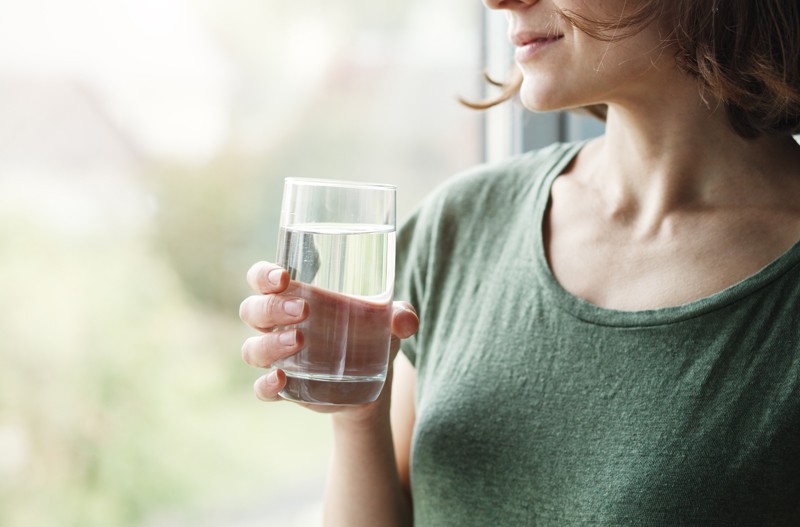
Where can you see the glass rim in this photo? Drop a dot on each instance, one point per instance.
(338, 183)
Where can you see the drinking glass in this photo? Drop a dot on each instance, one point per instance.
(337, 240)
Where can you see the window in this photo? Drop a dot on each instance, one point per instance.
(144, 146)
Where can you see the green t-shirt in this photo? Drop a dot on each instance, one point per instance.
(535, 407)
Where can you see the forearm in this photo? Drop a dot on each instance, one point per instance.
(363, 486)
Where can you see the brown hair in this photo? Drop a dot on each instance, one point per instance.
(745, 54)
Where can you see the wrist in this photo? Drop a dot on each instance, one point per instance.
(362, 418)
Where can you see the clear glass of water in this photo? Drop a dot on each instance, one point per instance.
(337, 240)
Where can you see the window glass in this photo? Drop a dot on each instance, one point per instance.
(143, 147)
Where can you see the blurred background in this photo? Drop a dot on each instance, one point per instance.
(143, 146)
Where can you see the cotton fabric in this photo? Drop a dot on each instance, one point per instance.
(536, 408)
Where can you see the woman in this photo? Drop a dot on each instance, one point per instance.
(609, 331)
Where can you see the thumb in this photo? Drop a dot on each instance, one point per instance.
(405, 321)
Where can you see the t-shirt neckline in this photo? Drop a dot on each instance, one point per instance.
(598, 315)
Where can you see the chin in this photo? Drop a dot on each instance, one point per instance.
(540, 104)
(536, 96)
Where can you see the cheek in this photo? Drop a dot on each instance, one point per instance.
(617, 65)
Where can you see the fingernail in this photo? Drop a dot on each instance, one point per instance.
(274, 276)
(294, 307)
(272, 378)
(288, 338)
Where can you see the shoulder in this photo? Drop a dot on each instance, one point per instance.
(475, 208)
(495, 184)
(519, 169)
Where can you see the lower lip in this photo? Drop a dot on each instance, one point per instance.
(529, 51)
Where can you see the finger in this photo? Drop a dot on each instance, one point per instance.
(268, 386)
(263, 350)
(405, 321)
(265, 277)
(264, 312)
(394, 347)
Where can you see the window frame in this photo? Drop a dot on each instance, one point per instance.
(509, 129)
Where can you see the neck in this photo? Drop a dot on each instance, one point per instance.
(656, 160)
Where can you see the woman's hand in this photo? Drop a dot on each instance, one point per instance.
(272, 307)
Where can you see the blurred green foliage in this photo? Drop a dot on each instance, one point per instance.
(123, 399)
(212, 222)
(132, 399)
